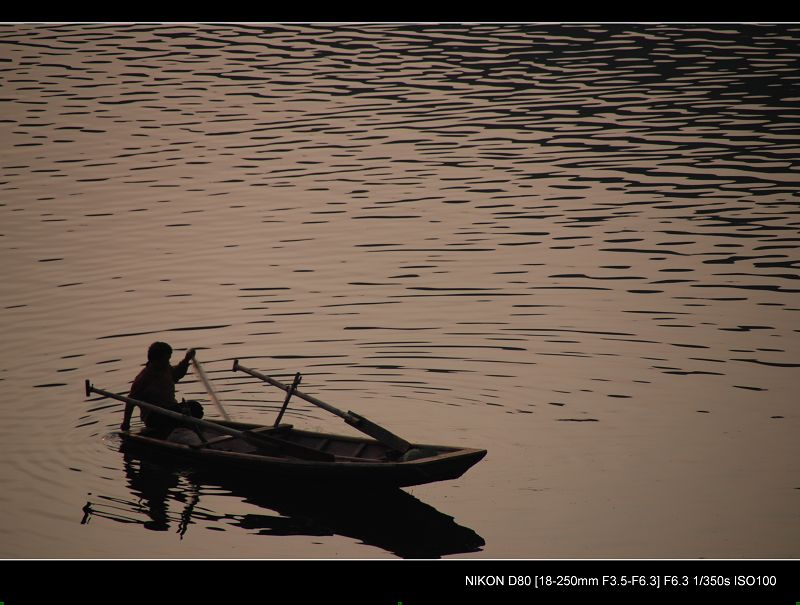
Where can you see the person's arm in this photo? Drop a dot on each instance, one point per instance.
(133, 394)
(180, 370)
(126, 420)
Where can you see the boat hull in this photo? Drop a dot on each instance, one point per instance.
(427, 464)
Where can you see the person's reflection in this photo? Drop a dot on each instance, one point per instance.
(155, 485)
(151, 484)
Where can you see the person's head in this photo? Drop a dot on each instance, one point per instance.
(159, 353)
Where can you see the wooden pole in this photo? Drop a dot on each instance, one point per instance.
(280, 385)
(289, 393)
(207, 383)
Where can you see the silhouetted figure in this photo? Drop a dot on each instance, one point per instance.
(156, 384)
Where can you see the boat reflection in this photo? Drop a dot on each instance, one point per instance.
(390, 519)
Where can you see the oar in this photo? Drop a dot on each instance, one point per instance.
(257, 439)
(211, 393)
(355, 420)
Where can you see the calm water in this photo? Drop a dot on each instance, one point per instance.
(575, 246)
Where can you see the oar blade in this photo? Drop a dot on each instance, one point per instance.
(377, 432)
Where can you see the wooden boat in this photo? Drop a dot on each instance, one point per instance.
(284, 452)
(291, 455)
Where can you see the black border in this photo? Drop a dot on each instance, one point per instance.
(390, 582)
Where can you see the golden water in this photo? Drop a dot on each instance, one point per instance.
(574, 246)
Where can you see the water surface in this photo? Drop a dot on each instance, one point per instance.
(575, 246)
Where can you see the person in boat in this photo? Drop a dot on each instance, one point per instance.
(156, 384)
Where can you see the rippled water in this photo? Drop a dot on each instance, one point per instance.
(574, 246)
